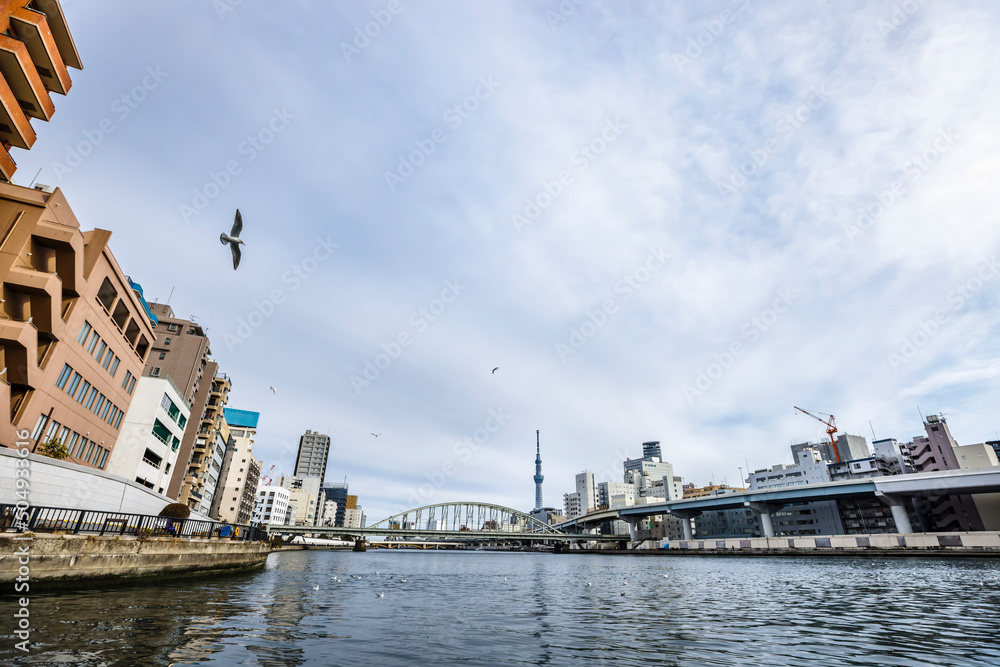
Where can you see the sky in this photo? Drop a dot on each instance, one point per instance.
(661, 220)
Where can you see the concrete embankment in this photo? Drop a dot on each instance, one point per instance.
(985, 544)
(54, 560)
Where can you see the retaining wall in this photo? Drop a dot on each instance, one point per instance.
(55, 559)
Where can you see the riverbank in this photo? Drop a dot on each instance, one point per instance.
(51, 560)
(982, 544)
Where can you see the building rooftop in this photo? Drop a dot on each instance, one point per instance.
(244, 418)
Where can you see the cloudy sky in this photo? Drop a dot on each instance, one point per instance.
(661, 220)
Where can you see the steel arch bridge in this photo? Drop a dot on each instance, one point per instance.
(471, 521)
(463, 517)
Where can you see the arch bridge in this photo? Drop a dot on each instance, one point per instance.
(471, 521)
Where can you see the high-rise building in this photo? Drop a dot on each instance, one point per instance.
(37, 48)
(936, 452)
(147, 447)
(234, 497)
(538, 471)
(587, 490)
(314, 449)
(181, 352)
(76, 330)
(651, 450)
(211, 442)
(852, 447)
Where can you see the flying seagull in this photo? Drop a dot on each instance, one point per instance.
(234, 240)
(376, 434)
(273, 390)
(380, 595)
(495, 370)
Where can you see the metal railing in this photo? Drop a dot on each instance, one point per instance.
(76, 522)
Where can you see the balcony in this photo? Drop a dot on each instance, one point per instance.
(32, 29)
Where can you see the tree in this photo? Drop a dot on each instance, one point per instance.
(53, 448)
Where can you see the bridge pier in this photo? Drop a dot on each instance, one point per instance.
(764, 510)
(685, 517)
(897, 505)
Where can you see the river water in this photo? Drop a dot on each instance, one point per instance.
(483, 608)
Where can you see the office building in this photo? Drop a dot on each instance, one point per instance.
(817, 518)
(572, 505)
(314, 449)
(240, 474)
(337, 494)
(76, 330)
(181, 352)
(852, 447)
(615, 495)
(271, 507)
(37, 48)
(890, 448)
(304, 495)
(587, 491)
(146, 450)
(651, 450)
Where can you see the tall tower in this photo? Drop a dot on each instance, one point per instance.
(538, 472)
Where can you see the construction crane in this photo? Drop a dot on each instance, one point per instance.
(265, 480)
(831, 427)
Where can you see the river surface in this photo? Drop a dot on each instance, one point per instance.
(482, 608)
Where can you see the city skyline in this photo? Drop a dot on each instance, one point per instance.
(655, 291)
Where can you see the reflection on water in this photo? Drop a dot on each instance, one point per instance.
(480, 608)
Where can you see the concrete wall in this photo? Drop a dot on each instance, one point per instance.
(957, 542)
(60, 558)
(61, 484)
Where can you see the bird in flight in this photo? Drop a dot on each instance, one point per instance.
(376, 434)
(495, 370)
(234, 240)
(273, 390)
(380, 595)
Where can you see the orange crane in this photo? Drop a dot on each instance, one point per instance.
(831, 425)
(265, 480)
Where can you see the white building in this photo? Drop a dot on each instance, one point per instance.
(587, 491)
(241, 470)
(653, 478)
(151, 434)
(304, 498)
(272, 506)
(572, 507)
(353, 517)
(329, 512)
(616, 495)
(891, 449)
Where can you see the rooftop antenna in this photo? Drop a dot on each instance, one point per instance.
(170, 295)
(922, 420)
(36, 176)
(874, 437)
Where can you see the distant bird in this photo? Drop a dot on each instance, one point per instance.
(234, 240)
(665, 577)
(376, 434)
(402, 581)
(380, 595)
(273, 390)
(623, 593)
(495, 370)
(315, 588)
(588, 583)
(376, 573)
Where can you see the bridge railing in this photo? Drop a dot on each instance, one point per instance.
(76, 522)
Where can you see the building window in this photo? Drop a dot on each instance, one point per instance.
(107, 359)
(100, 403)
(173, 327)
(131, 385)
(163, 355)
(83, 392)
(74, 383)
(64, 376)
(84, 332)
(92, 343)
(166, 341)
(114, 367)
(156, 371)
(100, 351)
